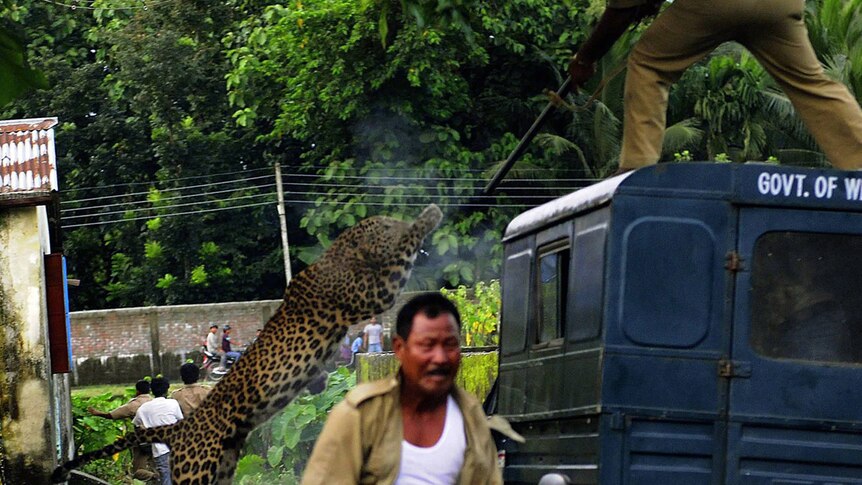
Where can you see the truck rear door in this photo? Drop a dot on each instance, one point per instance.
(795, 405)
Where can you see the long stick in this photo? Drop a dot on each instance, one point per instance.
(525, 141)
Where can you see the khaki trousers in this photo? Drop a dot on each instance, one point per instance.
(775, 34)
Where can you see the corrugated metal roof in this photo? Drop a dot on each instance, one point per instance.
(27, 159)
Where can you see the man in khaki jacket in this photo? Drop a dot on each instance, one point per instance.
(192, 394)
(141, 456)
(685, 32)
(417, 426)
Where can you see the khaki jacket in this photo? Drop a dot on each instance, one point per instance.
(361, 441)
(129, 409)
(190, 396)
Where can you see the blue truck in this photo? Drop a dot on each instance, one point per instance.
(696, 323)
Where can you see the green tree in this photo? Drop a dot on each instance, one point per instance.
(427, 103)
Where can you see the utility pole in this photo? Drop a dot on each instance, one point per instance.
(283, 221)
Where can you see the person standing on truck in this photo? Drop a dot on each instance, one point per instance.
(685, 32)
(416, 427)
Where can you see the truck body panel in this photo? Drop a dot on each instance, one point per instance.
(687, 324)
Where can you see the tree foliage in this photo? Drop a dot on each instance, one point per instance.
(172, 117)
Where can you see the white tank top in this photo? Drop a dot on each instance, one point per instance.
(440, 463)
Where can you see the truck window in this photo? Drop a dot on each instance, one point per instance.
(586, 293)
(804, 303)
(553, 286)
(516, 298)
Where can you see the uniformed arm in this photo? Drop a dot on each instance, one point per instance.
(337, 455)
(612, 24)
(101, 414)
(487, 451)
(496, 476)
(125, 411)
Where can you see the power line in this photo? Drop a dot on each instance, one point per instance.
(88, 6)
(441, 179)
(367, 186)
(166, 215)
(437, 196)
(187, 187)
(186, 196)
(301, 202)
(303, 184)
(133, 211)
(414, 204)
(470, 170)
(154, 182)
(299, 193)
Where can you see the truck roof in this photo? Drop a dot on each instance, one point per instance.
(747, 184)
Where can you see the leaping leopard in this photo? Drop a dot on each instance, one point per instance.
(357, 277)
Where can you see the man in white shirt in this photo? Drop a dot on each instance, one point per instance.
(373, 336)
(160, 412)
(213, 342)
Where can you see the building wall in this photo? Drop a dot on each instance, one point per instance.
(120, 346)
(33, 402)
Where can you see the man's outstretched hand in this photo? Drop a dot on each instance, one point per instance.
(581, 70)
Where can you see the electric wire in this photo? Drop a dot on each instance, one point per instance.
(154, 182)
(300, 202)
(147, 201)
(117, 221)
(367, 186)
(89, 6)
(443, 179)
(134, 211)
(299, 193)
(186, 187)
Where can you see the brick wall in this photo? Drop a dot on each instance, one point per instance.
(120, 346)
(117, 346)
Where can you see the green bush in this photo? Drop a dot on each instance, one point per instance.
(480, 312)
(277, 451)
(92, 432)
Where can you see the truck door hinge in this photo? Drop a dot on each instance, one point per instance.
(730, 368)
(732, 262)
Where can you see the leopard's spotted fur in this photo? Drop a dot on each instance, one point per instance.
(359, 276)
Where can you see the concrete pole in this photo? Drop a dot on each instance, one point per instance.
(283, 221)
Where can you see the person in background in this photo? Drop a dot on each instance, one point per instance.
(192, 394)
(213, 344)
(226, 348)
(417, 427)
(256, 336)
(142, 454)
(160, 412)
(374, 336)
(355, 348)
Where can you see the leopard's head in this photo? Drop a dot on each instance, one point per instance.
(383, 245)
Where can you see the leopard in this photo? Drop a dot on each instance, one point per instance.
(358, 276)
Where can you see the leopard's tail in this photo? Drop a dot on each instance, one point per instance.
(160, 434)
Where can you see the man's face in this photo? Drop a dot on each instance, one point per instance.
(213, 330)
(431, 355)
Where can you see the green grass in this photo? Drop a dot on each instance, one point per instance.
(116, 390)
(92, 391)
